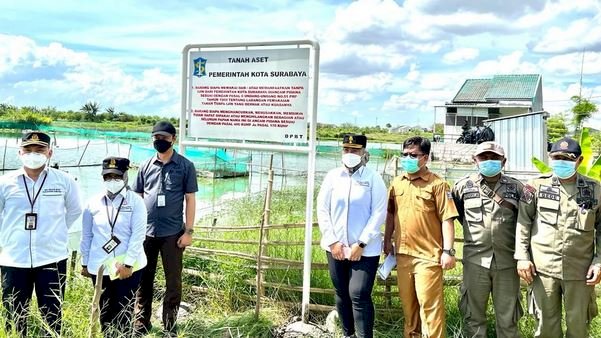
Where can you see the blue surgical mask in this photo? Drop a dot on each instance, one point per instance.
(490, 168)
(410, 165)
(563, 169)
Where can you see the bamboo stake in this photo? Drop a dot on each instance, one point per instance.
(263, 233)
(4, 157)
(84, 152)
(388, 284)
(95, 314)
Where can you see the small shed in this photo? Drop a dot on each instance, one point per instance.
(500, 96)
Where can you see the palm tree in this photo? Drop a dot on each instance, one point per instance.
(110, 111)
(90, 109)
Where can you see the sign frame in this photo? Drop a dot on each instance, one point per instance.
(309, 148)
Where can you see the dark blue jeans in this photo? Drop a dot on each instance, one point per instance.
(17, 288)
(354, 281)
(117, 304)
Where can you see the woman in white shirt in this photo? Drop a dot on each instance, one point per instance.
(113, 233)
(351, 208)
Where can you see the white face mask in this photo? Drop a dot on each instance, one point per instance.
(114, 186)
(351, 160)
(33, 160)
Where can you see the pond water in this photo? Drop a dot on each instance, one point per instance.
(82, 157)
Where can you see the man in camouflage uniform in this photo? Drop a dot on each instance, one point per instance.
(558, 241)
(487, 203)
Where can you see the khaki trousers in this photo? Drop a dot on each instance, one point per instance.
(421, 292)
(577, 299)
(478, 284)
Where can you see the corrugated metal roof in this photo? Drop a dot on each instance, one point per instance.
(473, 90)
(519, 86)
(500, 87)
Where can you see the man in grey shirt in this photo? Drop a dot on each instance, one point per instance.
(165, 181)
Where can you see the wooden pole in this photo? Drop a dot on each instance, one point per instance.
(262, 235)
(73, 264)
(283, 184)
(95, 313)
(250, 175)
(4, 157)
(387, 286)
(84, 152)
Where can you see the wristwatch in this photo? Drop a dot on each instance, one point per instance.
(190, 231)
(450, 252)
(362, 245)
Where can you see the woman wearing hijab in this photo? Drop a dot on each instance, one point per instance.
(113, 233)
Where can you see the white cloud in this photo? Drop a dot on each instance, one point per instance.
(571, 64)
(460, 55)
(413, 73)
(505, 64)
(582, 33)
(79, 78)
(422, 101)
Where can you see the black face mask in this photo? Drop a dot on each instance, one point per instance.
(161, 145)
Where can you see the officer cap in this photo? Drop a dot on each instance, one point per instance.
(35, 137)
(115, 165)
(354, 141)
(163, 128)
(566, 147)
(489, 147)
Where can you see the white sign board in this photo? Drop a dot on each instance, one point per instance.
(258, 94)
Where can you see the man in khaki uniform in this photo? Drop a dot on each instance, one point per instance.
(558, 241)
(487, 203)
(420, 222)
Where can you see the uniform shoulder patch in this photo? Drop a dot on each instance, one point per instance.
(528, 193)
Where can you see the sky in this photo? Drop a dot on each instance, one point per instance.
(380, 61)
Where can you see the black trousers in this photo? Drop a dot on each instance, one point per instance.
(171, 257)
(354, 282)
(17, 288)
(117, 304)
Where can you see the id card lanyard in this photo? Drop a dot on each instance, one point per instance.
(161, 196)
(31, 218)
(113, 242)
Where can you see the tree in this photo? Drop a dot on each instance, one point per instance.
(556, 127)
(583, 109)
(388, 125)
(90, 109)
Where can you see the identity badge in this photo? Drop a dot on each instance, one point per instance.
(160, 200)
(112, 243)
(31, 221)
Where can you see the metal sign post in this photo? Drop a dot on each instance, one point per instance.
(252, 96)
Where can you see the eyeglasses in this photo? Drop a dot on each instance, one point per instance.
(413, 156)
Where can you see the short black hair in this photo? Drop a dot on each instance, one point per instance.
(421, 142)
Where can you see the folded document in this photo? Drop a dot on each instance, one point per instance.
(387, 266)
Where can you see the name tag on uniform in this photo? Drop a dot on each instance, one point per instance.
(161, 200)
(110, 246)
(31, 221)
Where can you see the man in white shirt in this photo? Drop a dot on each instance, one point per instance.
(38, 204)
(351, 208)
